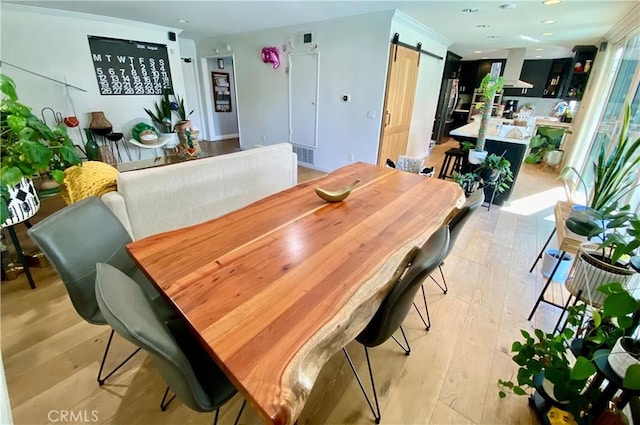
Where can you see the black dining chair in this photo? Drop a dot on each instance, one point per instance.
(455, 227)
(394, 308)
(188, 369)
(77, 237)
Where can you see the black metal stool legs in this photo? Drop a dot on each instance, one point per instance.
(427, 322)
(104, 357)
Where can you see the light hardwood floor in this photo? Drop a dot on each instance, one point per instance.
(51, 356)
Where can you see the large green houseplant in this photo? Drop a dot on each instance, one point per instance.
(27, 145)
(613, 171)
(547, 355)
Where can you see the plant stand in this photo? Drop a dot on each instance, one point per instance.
(541, 402)
(613, 386)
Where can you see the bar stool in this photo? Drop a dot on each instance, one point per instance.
(456, 167)
(23, 204)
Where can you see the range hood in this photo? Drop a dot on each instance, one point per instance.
(512, 69)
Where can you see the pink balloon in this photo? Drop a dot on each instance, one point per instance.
(271, 55)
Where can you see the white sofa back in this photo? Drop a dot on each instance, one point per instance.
(159, 199)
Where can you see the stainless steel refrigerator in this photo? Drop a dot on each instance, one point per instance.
(446, 104)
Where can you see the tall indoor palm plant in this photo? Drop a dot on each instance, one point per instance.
(614, 173)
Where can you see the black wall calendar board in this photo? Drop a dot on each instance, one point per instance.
(126, 67)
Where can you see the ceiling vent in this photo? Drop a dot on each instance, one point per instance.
(512, 69)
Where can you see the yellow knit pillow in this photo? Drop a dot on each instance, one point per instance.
(92, 178)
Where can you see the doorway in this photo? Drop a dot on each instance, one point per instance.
(221, 99)
(402, 78)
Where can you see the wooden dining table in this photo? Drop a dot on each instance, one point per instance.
(274, 289)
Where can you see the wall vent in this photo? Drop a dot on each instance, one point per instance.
(305, 37)
(305, 155)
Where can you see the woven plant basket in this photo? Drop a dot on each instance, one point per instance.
(591, 273)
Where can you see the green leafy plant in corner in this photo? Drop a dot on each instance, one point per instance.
(544, 355)
(162, 116)
(27, 145)
(547, 139)
(614, 172)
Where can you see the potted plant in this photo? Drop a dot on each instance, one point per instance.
(489, 87)
(546, 364)
(181, 111)
(614, 171)
(495, 171)
(545, 145)
(28, 147)
(161, 118)
(469, 182)
(613, 242)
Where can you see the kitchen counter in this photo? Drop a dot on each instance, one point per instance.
(513, 150)
(471, 131)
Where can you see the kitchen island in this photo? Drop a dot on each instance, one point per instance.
(514, 150)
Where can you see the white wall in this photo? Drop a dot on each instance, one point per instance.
(223, 123)
(429, 79)
(54, 43)
(353, 60)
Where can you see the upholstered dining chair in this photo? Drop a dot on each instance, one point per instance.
(455, 225)
(394, 308)
(77, 237)
(183, 363)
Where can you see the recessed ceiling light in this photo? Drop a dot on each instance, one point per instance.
(492, 36)
(470, 10)
(538, 56)
(184, 21)
(547, 33)
(478, 51)
(548, 21)
(539, 49)
(508, 6)
(485, 57)
(550, 2)
(482, 26)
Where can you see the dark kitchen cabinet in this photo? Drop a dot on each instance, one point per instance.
(468, 74)
(579, 71)
(451, 66)
(557, 80)
(535, 72)
(472, 73)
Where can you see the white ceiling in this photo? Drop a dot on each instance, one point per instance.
(577, 21)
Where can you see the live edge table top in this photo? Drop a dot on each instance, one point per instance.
(276, 288)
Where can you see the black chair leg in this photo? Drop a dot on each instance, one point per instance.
(165, 403)
(244, 403)
(20, 254)
(215, 419)
(376, 411)
(427, 322)
(104, 358)
(407, 349)
(444, 281)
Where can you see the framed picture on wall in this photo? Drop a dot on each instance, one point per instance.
(220, 63)
(221, 91)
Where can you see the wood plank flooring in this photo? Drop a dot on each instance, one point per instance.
(51, 356)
